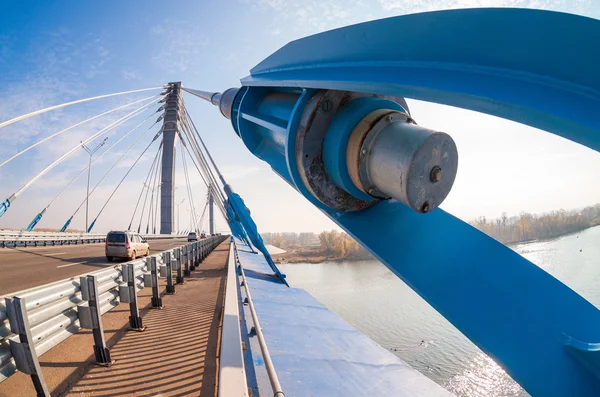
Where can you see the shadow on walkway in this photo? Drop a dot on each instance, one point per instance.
(176, 354)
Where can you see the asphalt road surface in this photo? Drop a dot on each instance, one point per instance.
(22, 268)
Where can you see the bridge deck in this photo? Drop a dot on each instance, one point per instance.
(24, 268)
(175, 355)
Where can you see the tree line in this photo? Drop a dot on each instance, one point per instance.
(526, 226)
(507, 229)
(341, 245)
(290, 239)
(332, 243)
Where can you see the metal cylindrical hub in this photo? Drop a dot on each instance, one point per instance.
(399, 159)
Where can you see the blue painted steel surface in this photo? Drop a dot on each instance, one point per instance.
(4, 206)
(316, 353)
(67, 223)
(533, 67)
(236, 203)
(35, 221)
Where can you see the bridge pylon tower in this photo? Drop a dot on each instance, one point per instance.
(171, 128)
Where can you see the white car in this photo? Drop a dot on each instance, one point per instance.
(192, 236)
(125, 245)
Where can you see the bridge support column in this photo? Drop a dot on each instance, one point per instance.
(211, 212)
(170, 130)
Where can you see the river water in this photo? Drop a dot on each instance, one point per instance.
(373, 300)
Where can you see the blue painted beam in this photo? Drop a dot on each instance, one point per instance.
(535, 67)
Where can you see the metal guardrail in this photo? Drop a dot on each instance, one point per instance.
(232, 375)
(52, 311)
(14, 238)
(272, 374)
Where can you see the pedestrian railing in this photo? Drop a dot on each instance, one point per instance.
(232, 374)
(16, 238)
(244, 293)
(35, 320)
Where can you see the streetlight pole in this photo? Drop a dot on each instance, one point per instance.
(87, 196)
(178, 204)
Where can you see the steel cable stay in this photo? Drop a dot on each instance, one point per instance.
(76, 125)
(213, 184)
(189, 119)
(196, 148)
(39, 216)
(109, 170)
(193, 139)
(209, 184)
(193, 220)
(198, 155)
(202, 218)
(147, 186)
(151, 220)
(123, 179)
(35, 113)
(6, 203)
(158, 184)
(238, 207)
(188, 188)
(154, 162)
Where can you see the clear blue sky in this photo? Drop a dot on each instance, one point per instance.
(52, 51)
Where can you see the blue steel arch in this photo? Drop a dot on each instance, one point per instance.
(535, 67)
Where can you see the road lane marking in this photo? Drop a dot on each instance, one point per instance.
(71, 264)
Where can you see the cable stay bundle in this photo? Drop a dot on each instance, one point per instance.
(4, 205)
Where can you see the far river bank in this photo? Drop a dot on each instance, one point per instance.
(316, 254)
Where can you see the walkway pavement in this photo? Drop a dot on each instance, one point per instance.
(175, 356)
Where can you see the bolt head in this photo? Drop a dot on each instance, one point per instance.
(390, 118)
(436, 174)
(364, 151)
(371, 191)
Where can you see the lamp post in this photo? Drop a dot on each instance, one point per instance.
(178, 204)
(87, 196)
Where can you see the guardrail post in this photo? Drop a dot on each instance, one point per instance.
(192, 251)
(179, 279)
(128, 274)
(169, 266)
(23, 351)
(153, 281)
(89, 317)
(186, 260)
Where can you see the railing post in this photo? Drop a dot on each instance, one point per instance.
(169, 272)
(23, 351)
(178, 266)
(156, 298)
(89, 317)
(186, 260)
(193, 255)
(128, 274)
